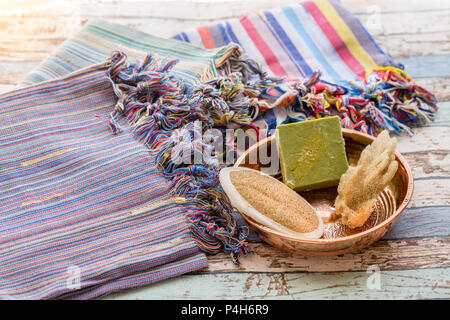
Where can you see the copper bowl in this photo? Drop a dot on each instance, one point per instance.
(338, 238)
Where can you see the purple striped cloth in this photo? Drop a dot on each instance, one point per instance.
(85, 212)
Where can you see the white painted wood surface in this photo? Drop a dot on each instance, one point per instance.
(405, 284)
(414, 258)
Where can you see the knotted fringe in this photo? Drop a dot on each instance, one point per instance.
(386, 98)
(170, 119)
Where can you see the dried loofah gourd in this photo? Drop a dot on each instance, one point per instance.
(360, 186)
(271, 203)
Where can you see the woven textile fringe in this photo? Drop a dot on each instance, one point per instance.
(331, 63)
(387, 98)
(167, 116)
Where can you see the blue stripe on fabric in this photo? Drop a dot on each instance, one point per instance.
(230, 33)
(271, 120)
(298, 58)
(177, 37)
(185, 37)
(298, 26)
(226, 39)
(322, 42)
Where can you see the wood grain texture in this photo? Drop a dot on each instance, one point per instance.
(429, 66)
(431, 221)
(409, 284)
(425, 139)
(387, 255)
(431, 192)
(41, 26)
(391, 6)
(429, 164)
(6, 87)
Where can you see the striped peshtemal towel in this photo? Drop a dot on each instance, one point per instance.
(85, 212)
(97, 39)
(299, 40)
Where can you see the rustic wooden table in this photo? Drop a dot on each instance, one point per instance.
(411, 261)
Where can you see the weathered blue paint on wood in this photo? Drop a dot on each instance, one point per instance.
(429, 66)
(421, 222)
(407, 284)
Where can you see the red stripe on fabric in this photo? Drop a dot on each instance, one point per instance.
(262, 46)
(334, 38)
(207, 38)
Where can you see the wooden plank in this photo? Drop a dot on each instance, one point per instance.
(14, 72)
(387, 255)
(16, 49)
(443, 114)
(168, 9)
(410, 284)
(6, 87)
(41, 27)
(399, 46)
(430, 66)
(394, 6)
(192, 9)
(431, 192)
(425, 139)
(429, 164)
(379, 22)
(432, 221)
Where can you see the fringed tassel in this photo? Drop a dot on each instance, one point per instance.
(211, 215)
(391, 100)
(170, 120)
(387, 98)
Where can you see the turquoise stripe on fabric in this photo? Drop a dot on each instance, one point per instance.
(297, 24)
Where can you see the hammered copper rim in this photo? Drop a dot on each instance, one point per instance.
(346, 132)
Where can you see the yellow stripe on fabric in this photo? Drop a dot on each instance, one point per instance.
(46, 198)
(48, 156)
(346, 35)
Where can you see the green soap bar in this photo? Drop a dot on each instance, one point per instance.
(312, 153)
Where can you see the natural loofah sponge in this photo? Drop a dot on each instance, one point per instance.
(271, 203)
(360, 186)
